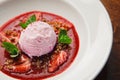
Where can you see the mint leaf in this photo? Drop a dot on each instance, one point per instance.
(23, 25)
(12, 49)
(32, 19)
(63, 37)
(29, 21)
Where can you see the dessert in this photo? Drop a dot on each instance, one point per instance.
(37, 45)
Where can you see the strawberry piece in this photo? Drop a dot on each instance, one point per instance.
(3, 38)
(11, 38)
(21, 66)
(38, 16)
(57, 60)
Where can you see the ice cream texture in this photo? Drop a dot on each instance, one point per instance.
(37, 39)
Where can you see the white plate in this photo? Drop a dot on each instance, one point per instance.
(91, 22)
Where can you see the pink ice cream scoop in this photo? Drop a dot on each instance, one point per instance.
(37, 39)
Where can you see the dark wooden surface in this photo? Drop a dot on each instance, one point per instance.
(111, 71)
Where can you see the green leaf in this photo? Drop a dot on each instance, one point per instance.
(12, 49)
(23, 25)
(63, 37)
(29, 21)
(32, 19)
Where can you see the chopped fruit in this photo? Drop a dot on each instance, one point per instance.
(38, 16)
(13, 36)
(20, 66)
(57, 60)
(4, 38)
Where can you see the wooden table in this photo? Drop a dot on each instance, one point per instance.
(111, 71)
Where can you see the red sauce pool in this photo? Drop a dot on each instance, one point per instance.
(13, 24)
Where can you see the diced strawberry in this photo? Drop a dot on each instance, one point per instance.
(10, 38)
(38, 16)
(3, 38)
(21, 66)
(57, 60)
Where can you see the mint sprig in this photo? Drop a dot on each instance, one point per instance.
(63, 37)
(11, 49)
(29, 21)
